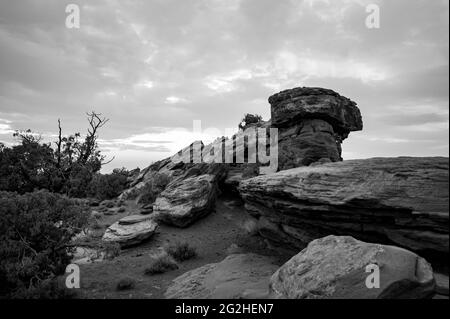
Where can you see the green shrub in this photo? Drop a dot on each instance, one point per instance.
(65, 166)
(109, 186)
(153, 188)
(249, 119)
(250, 170)
(46, 289)
(161, 264)
(181, 251)
(109, 204)
(95, 224)
(35, 234)
(125, 283)
(111, 250)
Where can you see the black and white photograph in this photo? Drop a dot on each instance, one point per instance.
(224, 157)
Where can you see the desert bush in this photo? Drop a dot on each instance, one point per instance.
(108, 204)
(95, 224)
(108, 186)
(181, 251)
(66, 168)
(111, 250)
(251, 226)
(249, 119)
(35, 234)
(161, 264)
(153, 188)
(125, 283)
(250, 170)
(46, 289)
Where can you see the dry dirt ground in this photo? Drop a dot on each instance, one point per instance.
(211, 236)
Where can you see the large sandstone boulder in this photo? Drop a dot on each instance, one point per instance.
(312, 124)
(185, 201)
(335, 267)
(189, 197)
(237, 276)
(401, 201)
(131, 230)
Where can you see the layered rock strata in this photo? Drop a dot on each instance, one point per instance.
(402, 201)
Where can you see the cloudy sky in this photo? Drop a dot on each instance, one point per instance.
(154, 66)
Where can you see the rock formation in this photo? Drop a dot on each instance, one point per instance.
(330, 267)
(403, 201)
(312, 124)
(335, 267)
(131, 230)
(386, 201)
(235, 277)
(189, 197)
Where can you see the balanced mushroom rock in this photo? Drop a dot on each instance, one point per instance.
(237, 276)
(190, 196)
(312, 123)
(401, 201)
(131, 230)
(346, 268)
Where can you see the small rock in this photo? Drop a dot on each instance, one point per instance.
(146, 211)
(94, 202)
(130, 234)
(442, 283)
(108, 203)
(133, 219)
(234, 249)
(96, 214)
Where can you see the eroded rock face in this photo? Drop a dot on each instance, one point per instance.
(237, 276)
(315, 103)
(335, 267)
(185, 201)
(312, 124)
(131, 230)
(189, 197)
(401, 201)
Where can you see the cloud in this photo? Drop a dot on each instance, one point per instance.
(162, 64)
(175, 100)
(5, 127)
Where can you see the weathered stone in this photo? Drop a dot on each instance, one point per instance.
(301, 103)
(189, 196)
(185, 201)
(442, 283)
(312, 140)
(86, 255)
(312, 124)
(401, 201)
(335, 267)
(134, 219)
(146, 211)
(126, 234)
(237, 276)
